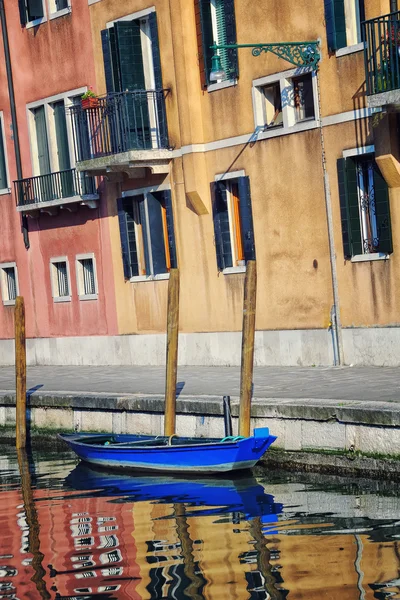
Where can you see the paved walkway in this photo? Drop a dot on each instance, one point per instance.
(367, 384)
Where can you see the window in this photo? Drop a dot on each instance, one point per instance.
(284, 101)
(30, 11)
(57, 6)
(215, 21)
(343, 20)
(303, 97)
(60, 281)
(233, 222)
(86, 277)
(9, 283)
(364, 206)
(147, 234)
(4, 188)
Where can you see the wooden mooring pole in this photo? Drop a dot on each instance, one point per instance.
(248, 333)
(20, 373)
(172, 352)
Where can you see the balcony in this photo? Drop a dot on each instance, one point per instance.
(382, 60)
(122, 134)
(54, 191)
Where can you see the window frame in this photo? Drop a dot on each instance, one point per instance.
(143, 192)
(79, 276)
(54, 13)
(68, 99)
(6, 190)
(36, 22)
(290, 124)
(3, 284)
(54, 281)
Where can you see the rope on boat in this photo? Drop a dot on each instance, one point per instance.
(170, 439)
(233, 438)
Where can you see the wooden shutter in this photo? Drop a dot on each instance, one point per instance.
(145, 236)
(22, 12)
(3, 172)
(42, 142)
(130, 55)
(167, 200)
(349, 207)
(156, 232)
(123, 230)
(155, 50)
(230, 37)
(206, 37)
(382, 209)
(335, 22)
(61, 136)
(246, 219)
(222, 233)
(107, 59)
(34, 9)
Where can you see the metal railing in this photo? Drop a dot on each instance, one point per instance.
(120, 122)
(382, 53)
(53, 186)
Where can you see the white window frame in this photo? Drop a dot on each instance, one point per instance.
(226, 177)
(54, 13)
(68, 99)
(285, 79)
(54, 281)
(143, 192)
(357, 152)
(6, 190)
(3, 282)
(37, 22)
(79, 276)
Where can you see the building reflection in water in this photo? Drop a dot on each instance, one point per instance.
(107, 536)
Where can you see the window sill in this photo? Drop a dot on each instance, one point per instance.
(5, 191)
(60, 13)
(93, 1)
(89, 297)
(350, 49)
(233, 270)
(141, 278)
(62, 299)
(296, 128)
(35, 23)
(9, 302)
(370, 257)
(213, 87)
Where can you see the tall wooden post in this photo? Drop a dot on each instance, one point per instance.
(172, 352)
(20, 373)
(249, 326)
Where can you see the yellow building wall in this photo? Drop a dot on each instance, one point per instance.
(286, 179)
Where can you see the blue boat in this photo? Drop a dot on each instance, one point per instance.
(171, 454)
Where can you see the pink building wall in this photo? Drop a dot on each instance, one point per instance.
(50, 59)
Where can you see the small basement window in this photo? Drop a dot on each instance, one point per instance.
(86, 277)
(60, 280)
(9, 283)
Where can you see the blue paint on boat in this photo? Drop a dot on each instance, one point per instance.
(173, 454)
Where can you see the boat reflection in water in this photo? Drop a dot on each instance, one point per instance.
(160, 537)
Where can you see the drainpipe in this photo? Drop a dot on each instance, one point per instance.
(24, 220)
(393, 6)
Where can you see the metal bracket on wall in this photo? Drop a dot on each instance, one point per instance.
(300, 54)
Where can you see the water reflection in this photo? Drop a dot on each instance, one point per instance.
(74, 532)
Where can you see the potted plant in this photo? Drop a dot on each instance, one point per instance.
(89, 100)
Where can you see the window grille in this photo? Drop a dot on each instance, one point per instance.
(11, 282)
(89, 286)
(62, 279)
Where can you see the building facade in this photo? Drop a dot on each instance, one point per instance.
(171, 164)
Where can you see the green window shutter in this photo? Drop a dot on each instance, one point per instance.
(335, 22)
(42, 142)
(3, 171)
(167, 201)
(232, 66)
(156, 232)
(349, 207)
(143, 221)
(130, 55)
(246, 218)
(382, 210)
(61, 136)
(222, 233)
(34, 9)
(207, 36)
(107, 59)
(155, 50)
(128, 240)
(22, 12)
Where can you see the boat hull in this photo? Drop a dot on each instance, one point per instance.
(183, 456)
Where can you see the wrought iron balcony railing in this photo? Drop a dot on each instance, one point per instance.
(52, 187)
(382, 53)
(120, 122)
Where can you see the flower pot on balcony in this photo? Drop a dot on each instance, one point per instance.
(89, 102)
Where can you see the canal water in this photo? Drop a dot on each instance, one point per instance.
(68, 531)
